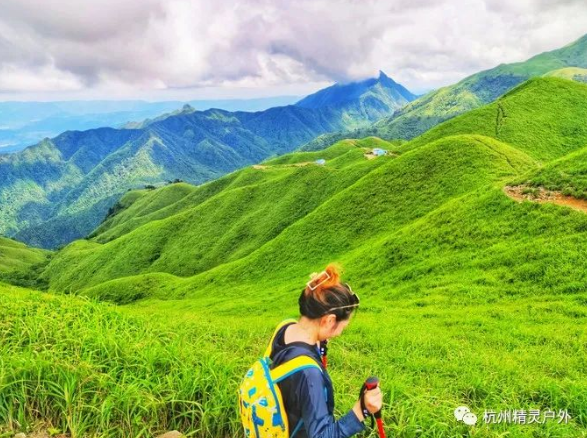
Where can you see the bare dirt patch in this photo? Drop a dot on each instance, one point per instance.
(542, 195)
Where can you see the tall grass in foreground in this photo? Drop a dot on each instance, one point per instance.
(92, 369)
(85, 369)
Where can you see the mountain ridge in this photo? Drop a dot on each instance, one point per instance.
(470, 93)
(344, 92)
(476, 90)
(77, 176)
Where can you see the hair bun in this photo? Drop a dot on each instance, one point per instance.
(324, 292)
(319, 281)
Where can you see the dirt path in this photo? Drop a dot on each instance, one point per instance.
(301, 164)
(540, 194)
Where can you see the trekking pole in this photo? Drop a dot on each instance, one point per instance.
(371, 383)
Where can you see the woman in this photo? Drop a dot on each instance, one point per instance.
(326, 306)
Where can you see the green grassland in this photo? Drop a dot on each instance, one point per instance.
(566, 175)
(477, 90)
(542, 117)
(468, 297)
(572, 73)
(269, 218)
(85, 368)
(93, 369)
(20, 264)
(16, 256)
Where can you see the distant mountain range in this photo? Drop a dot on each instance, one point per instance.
(61, 188)
(24, 124)
(472, 92)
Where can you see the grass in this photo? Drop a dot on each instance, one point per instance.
(542, 117)
(88, 370)
(254, 207)
(567, 174)
(477, 90)
(468, 297)
(572, 73)
(16, 256)
(92, 369)
(22, 265)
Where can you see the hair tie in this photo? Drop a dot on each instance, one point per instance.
(308, 284)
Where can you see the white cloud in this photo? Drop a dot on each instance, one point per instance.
(128, 47)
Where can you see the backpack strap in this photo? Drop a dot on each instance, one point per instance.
(292, 366)
(269, 349)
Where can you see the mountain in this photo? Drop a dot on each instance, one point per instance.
(26, 123)
(61, 188)
(260, 224)
(371, 99)
(470, 93)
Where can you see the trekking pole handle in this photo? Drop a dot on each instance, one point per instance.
(372, 383)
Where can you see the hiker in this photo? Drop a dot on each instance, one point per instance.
(295, 361)
(326, 306)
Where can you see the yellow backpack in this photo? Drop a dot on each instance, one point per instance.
(260, 401)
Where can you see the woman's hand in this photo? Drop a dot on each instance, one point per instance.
(373, 403)
(373, 400)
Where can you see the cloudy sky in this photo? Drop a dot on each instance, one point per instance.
(190, 49)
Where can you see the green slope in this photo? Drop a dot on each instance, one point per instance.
(17, 257)
(566, 175)
(572, 73)
(278, 220)
(475, 91)
(210, 226)
(22, 265)
(174, 199)
(86, 369)
(542, 117)
(93, 369)
(283, 218)
(482, 248)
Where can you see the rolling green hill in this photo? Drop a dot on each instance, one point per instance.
(472, 92)
(463, 289)
(21, 265)
(271, 220)
(566, 175)
(264, 216)
(17, 257)
(183, 230)
(542, 117)
(572, 73)
(62, 188)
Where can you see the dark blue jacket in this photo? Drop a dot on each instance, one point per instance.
(308, 395)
